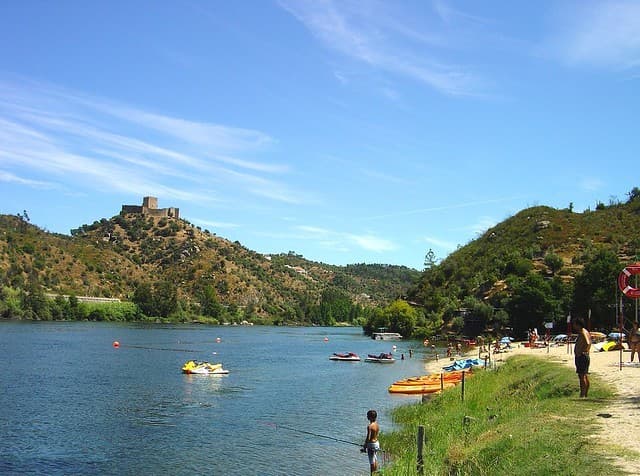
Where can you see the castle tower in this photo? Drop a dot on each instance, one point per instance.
(150, 202)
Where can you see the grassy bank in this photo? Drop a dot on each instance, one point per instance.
(523, 418)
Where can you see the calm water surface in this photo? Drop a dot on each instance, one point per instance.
(71, 403)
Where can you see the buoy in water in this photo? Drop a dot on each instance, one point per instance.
(218, 340)
(116, 344)
(326, 339)
(394, 347)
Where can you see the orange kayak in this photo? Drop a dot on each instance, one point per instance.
(451, 377)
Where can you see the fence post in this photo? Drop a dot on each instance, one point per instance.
(420, 466)
(463, 372)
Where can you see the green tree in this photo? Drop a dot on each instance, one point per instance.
(429, 259)
(531, 304)
(165, 298)
(35, 303)
(402, 317)
(143, 297)
(209, 304)
(478, 315)
(11, 303)
(334, 306)
(553, 262)
(595, 289)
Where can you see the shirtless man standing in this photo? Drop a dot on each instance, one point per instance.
(582, 359)
(371, 444)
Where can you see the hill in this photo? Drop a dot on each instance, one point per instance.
(534, 267)
(537, 266)
(130, 252)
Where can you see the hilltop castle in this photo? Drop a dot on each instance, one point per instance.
(150, 207)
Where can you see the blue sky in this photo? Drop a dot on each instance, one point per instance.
(346, 131)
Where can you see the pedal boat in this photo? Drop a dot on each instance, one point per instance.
(203, 368)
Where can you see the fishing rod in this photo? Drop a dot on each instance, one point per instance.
(131, 346)
(276, 426)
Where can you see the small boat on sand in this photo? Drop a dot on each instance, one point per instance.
(203, 368)
(382, 358)
(345, 356)
(428, 383)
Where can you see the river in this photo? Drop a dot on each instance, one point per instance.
(72, 403)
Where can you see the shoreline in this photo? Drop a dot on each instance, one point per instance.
(617, 419)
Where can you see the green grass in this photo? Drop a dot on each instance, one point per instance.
(523, 418)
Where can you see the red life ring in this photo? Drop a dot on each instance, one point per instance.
(623, 281)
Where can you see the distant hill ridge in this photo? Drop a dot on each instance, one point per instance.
(111, 257)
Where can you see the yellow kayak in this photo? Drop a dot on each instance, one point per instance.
(420, 389)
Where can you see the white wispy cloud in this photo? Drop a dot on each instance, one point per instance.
(215, 224)
(337, 240)
(441, 208)
(9, 177)
(602, 34)
(375, 37)
(372, 243)
(591, 183)
(88, 141)
(482, 224)
(216, 136)
(314, 230)
(443, 244)
(384, 177)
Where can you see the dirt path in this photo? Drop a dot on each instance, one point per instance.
(619, 420)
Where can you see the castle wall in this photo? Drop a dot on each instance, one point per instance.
(131, 209)
(150, 207)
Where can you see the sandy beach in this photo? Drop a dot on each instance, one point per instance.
(618, 420)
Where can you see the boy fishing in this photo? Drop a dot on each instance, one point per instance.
(371, 445)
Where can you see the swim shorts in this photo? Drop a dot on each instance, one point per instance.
(372, 451)
(582, 364)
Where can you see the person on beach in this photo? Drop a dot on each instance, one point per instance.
(371, 445)
(581, 352)
(634, 341)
